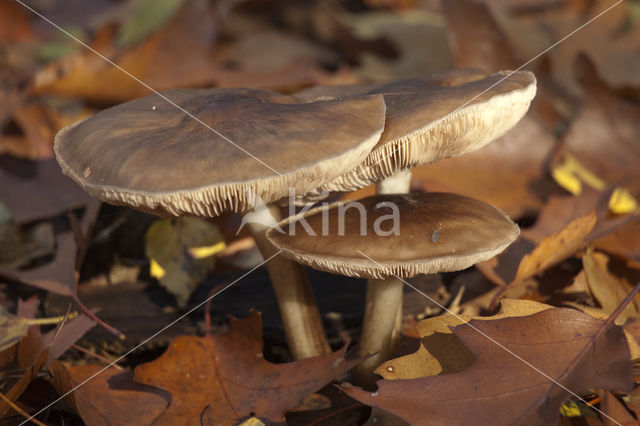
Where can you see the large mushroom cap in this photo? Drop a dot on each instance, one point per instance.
(436, 232)
(150, 155)
(433, 118)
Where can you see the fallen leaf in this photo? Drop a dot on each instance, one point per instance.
(525, 259)
(499, 388)
(19, 387)
(225, 379)
(161, 61)
(12, 329)
(507, 173)
(57, 276)
(38, 190)
(608, 289)
(15, 22)
(181, 251)
(108, 397)
(615, 410)
(623, 242)
(418, 35)
(440, 351)
(19, 247)
(146, 18)
(477, 40)
(556, 248)
(38, 128)
(611, 43)
(57, 340)
(604, 136)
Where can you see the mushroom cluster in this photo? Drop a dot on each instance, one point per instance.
(244, 149)
(427, 119)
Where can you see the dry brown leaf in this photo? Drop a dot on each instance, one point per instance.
(507, 173)
(556, 248)
(623, 242)
(524, 259)
(499, 388)
(613, 408)
(611, 43)
(110, 397)
(15, 22)
(162, 61)
(608, 289)
(440, 352)
(605, 134)
(39, 190)
(477, 41)
(225, 379)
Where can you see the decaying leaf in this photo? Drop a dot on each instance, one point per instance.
(605, 134)
(39, 190)
(555, 248)
(623, 242)
(568, 346)
(110, 397)
(161, 61)
(224, 378)
(14, 327)
(524, 259)
(440, 351)
(608, 289)
(611, 43)
(181, 251)
(17, 246)
(507, 173)
(618, 414)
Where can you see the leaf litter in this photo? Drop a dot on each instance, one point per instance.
(566, 173)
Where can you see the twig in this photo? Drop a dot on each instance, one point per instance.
(98, 356)
(51, 321)
(98, 321)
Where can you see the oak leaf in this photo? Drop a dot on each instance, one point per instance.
(225, 379)
(107, 397)
(568, 346)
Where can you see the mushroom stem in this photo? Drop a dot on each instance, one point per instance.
(300, 315)
(382, 309)
(382, 323)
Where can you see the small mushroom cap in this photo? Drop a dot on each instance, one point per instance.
(436, 232)
(151, 156)
(433, 118)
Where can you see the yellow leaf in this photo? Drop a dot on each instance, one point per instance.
(570, 175)
(570, 409)
(567, 180)
(156, 270)
(181, 253)
(622, 202)
(206, 251)
(253, 421)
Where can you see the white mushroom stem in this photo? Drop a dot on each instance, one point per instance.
(382, 324)
(302, 322)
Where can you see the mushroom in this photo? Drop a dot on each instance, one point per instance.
(432, 118)
(225, 150)
(391, 236)
(428, 119)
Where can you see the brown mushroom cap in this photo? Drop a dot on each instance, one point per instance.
(438, 232)
(433, 118)
(150, 155)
